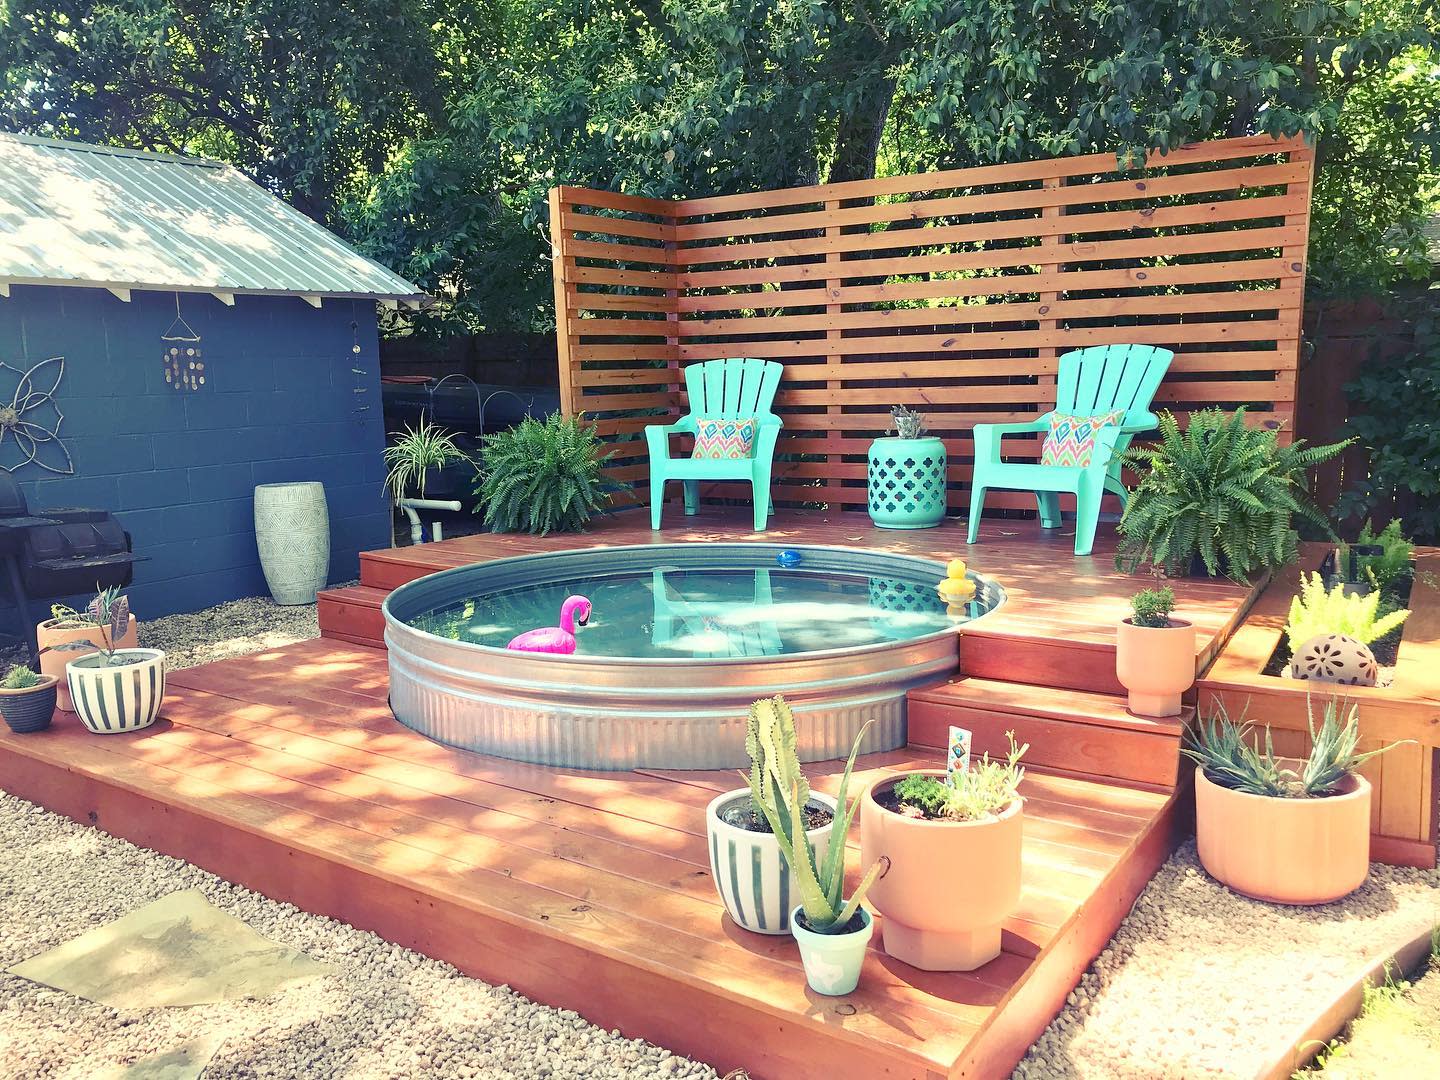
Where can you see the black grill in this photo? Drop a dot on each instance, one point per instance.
(58, 553)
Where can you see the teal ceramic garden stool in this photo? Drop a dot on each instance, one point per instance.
(907, 482)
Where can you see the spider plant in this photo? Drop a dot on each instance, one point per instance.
(414, 452)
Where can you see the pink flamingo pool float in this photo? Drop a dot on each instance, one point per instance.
(555, 639)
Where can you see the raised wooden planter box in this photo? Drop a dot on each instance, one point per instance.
(1407, 779)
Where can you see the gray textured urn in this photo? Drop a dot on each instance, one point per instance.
(292, 531)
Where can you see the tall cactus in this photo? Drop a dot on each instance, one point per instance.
(779, 791)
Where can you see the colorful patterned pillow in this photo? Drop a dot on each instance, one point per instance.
(1071, 440)
(724, 440)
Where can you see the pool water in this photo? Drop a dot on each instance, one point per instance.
(710, 612)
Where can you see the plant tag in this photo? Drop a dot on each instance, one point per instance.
(957, 757)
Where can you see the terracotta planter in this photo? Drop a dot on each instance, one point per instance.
(1286, 851)
(1156, 664)
(950, 883)
(751, 876)
(53, 663)
(29, 709)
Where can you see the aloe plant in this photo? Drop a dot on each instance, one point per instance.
(1318, 610)
(778, 789)
(1233, 756)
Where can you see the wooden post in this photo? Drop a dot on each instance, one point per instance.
(560, 265)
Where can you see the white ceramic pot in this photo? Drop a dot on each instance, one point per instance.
(751, 876)
(292, 531)
(123, 697)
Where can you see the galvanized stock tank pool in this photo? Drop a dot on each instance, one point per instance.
(682, 637)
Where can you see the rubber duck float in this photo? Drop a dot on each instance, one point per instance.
(956, 589)
(558, 640)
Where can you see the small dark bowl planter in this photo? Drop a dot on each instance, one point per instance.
(29, 709)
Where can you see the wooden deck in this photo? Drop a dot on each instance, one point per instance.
(286, 772)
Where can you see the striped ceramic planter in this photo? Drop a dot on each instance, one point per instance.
(123, 697)
(750, 874)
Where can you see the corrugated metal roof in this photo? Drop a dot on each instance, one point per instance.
(76, 214)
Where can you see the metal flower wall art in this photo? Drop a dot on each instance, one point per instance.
(30, 422)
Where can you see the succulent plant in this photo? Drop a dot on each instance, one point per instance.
(778, 790)
(19, 677)
(908, 423)
(1318, 610)
(981, 791)
(110, 611)
(1231, 754)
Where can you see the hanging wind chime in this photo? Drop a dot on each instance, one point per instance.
(184, 364)
(361, 388)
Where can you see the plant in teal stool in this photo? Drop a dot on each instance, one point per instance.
(906, 475)
(832, 931)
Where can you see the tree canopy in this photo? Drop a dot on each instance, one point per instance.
(429, 130)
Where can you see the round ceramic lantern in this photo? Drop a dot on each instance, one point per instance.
(907, 482)
(292, 531)
(1335, 658)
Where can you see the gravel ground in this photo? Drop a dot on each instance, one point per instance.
(1200, 982)
(388, 1013)
(228, 630)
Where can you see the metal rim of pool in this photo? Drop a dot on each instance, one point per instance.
(611, 712)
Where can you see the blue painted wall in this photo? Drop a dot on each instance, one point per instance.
(179, 467)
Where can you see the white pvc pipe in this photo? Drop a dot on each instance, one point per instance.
(417, 533)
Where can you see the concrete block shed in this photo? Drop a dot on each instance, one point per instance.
(110, 261)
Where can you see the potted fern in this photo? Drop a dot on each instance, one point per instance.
(1330, 631)
(27, 700)
(543, 476)
(952, 842)
(1220, 498)
(751, 872)
(1285, 830)
(906, 475)
(1155, 654)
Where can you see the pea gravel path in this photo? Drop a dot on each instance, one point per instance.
(1198, 983)
(389, 1013)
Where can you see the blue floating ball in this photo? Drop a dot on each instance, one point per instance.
(788, 558)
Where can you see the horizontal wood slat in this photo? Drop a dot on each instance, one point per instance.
(954, 292)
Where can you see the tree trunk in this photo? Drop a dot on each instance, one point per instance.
(857, 138)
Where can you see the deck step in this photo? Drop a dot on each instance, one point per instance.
(353, 614)
(1041, 660)
(1088, 735)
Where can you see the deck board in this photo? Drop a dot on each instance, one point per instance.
(284, 771)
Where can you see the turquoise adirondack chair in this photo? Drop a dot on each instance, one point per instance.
(734, 389)
(1092, 381)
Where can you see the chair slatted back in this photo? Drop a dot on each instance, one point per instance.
(733, 388)
(1106, 377)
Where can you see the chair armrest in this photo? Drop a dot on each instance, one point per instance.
(765, 439)
(1144, 422)
(988, 436)
(657, 436)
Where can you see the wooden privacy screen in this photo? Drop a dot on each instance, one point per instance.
(951, 292)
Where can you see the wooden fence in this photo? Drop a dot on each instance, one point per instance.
(952, 292)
